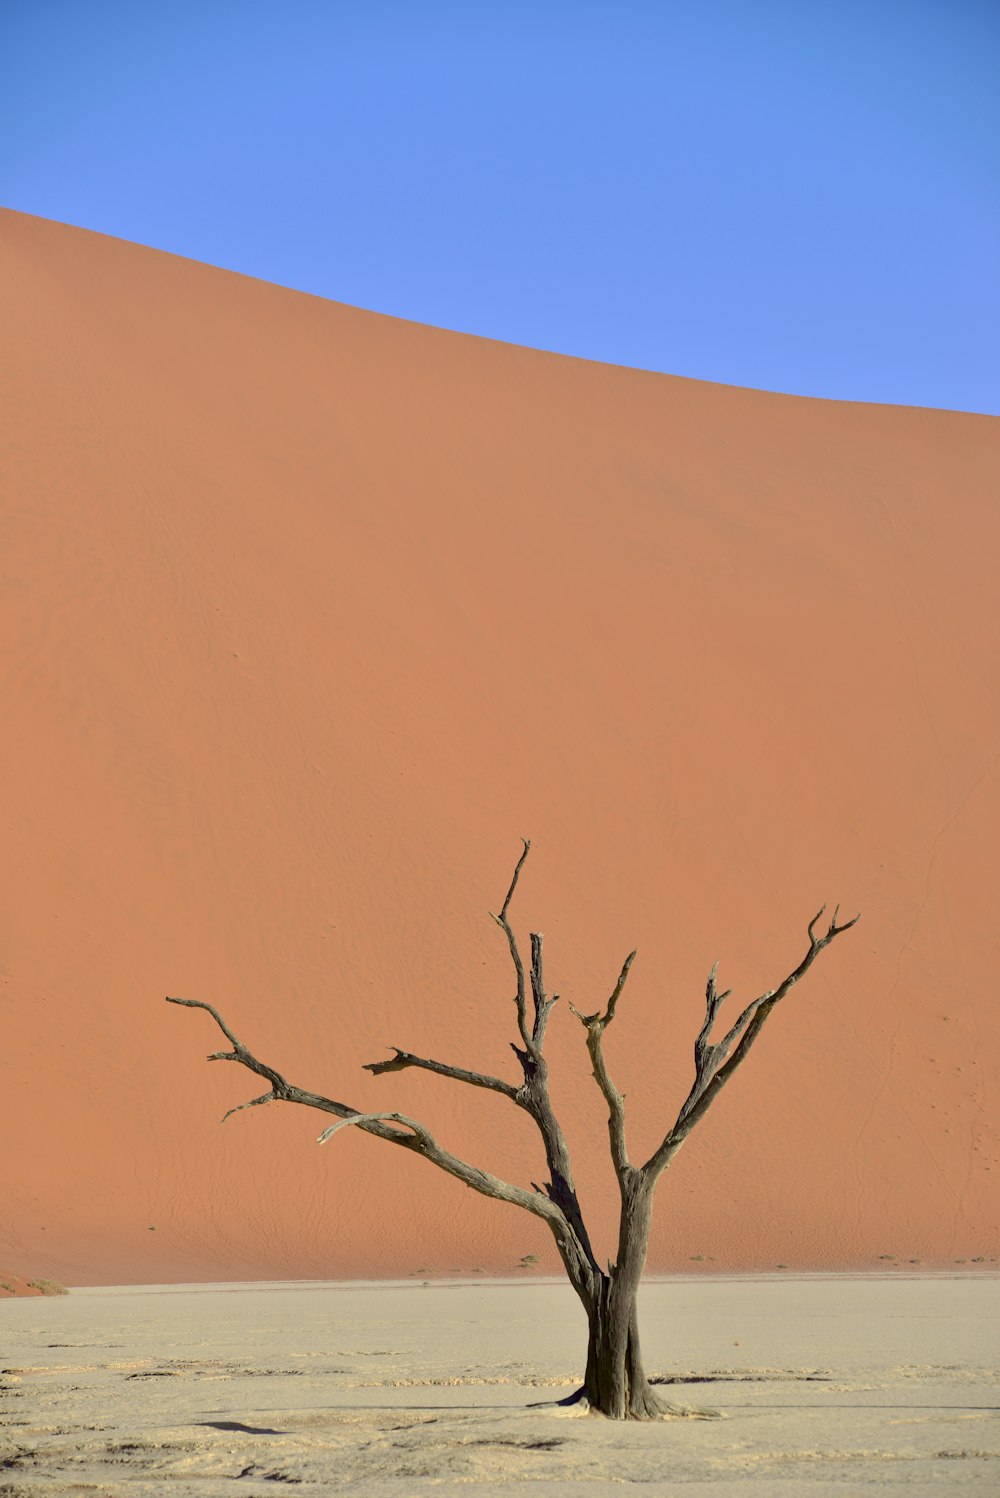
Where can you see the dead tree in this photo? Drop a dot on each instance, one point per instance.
(615, 1382)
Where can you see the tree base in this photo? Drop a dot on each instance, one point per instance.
(651, 1407)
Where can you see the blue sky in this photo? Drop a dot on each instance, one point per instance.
(796, 196)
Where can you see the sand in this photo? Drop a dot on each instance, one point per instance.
(828, 1386)
(308, 616)
(16, 1285)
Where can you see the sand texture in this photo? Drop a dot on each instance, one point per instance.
(308, 615)
(827, 1387)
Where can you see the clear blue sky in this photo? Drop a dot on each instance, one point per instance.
(800, 196)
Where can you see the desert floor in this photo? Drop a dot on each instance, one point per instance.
(828, 1385)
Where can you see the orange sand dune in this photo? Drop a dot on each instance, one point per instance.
(308, 614)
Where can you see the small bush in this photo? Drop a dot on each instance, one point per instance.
(48, 1287)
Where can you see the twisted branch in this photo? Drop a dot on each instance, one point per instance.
(556, 1200)
(520, 998)
(255, 1102)
(533, 1095)
(419, 1140)
(715, 1062)
(359, 1118)
(402, 1059)
(595, 1026)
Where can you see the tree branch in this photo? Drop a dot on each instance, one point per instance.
(534, 1096)
(402, 1059)
(595, 1026)
(560, 1205)
(715, 1062)
(420, 1140)
(359, 1118)
(520, 998)
(543, 1005)
(255, 1102)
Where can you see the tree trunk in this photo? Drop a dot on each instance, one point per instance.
(615, 1383)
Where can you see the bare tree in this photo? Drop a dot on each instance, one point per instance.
(615, 1382)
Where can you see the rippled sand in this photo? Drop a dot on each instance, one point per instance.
(827, 1385)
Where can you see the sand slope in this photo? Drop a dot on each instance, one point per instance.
(309, 614)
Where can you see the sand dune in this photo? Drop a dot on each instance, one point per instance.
(309, 614)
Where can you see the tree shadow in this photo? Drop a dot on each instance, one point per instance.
(249, 1430)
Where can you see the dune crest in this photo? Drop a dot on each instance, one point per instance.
(310, 614)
